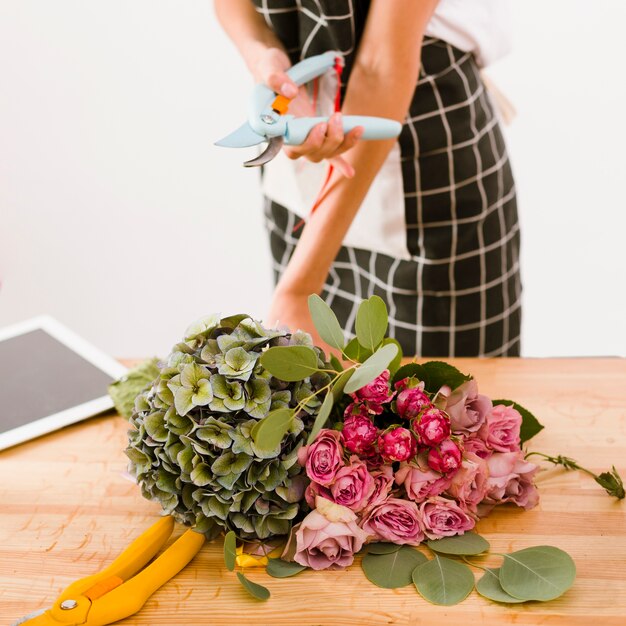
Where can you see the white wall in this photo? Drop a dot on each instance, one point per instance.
(119, 217)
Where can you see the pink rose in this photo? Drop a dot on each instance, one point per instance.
(419, 483)
(476, 444)
(394, 520)
(469, 485)
(359, 433)
(510, 480)
(446, 458)
(314, 490)
(444, 518)
(501, 430)
(323, 457)
(467, 408)
(376, 393)
(383, 481)
(432, 426)
(353, 485)
(412, 401)
(397, 445)
(321, 543)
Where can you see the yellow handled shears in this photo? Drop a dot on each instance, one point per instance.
(119, 591)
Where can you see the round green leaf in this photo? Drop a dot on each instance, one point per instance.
(397, 360)
(467, 544)
(392, 570)
(356, 352)
(290, 363)
(371, 322)
(230, 553)
(326, 322)
(254, 589)
(443, 581)
(539, 573)
(322, 416)
(269, 432)
(382, 547)
(489, 586)
(278, 568)
(374, 366)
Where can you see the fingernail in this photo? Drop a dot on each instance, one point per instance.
(288, 90)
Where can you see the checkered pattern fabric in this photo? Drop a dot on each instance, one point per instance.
(460, 294)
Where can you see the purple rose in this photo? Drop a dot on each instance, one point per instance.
(397, 444)
(446, 458)
(394, 520)
(323, 458)
(411, 402)
(383, 481)
(467, 408)
(469, 485)
(510, 480)
(444, 518)
(419, 483)
(359, 433)
(501, 430)
(432, 426)
(329, 540)
(353, 485)
(376, 393)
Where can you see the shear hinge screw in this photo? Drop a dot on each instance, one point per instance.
(66, 605)
(268, 119)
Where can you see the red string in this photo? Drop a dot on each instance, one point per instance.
(338, 67)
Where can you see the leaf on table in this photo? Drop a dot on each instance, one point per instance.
(538, 573)
(254, 589)
(278, 568)
(325, 322)
(230, 550)
(443, 581)
(382, 547)
(290, 363)
(392, 570)
(371, 322)
(124, 391)
(489, 586)
(530, 424)
(466, 544)
(372, 368)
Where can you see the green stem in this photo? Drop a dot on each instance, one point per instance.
(303, 403)
(563, 461)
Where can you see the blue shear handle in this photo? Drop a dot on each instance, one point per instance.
(301, 73)
(298, 128)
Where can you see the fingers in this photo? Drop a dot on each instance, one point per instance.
(311, 145)
(280, 83)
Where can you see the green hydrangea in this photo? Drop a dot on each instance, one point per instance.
(191, 447)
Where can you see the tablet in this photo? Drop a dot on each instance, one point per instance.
(49, 378)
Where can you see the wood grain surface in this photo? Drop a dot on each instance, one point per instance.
(66, 510)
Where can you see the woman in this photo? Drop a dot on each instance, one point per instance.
(428, 221)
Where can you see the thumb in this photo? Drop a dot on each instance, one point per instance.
(279, 82)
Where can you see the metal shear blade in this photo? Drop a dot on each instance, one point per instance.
(273, 148)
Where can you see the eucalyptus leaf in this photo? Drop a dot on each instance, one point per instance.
(434, 374)
(443, 581)
(392, 570)
(373, 367)
(230, 550)
(489, 586)
(277, 568)
(326, 322)
(538, 573)
(254, 589)
(290, 363)
(336, 363)
(269, 432)
(124, 391)
(338, 387)
(356, 352)
(383, 547)
(397, 360)
(466, 544)
(371, 322)
(321, 417)
(530, 424)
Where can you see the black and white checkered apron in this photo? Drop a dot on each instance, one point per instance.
(460, 293)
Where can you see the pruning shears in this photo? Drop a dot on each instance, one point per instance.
(119, 591)
(268, 120)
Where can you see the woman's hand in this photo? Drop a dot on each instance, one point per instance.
(326, 140)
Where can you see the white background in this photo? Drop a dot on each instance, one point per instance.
(119, 217)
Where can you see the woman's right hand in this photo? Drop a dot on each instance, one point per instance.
(326, 140)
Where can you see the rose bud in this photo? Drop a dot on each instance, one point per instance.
(376, 393)
(446, 458)
(359, 434)
(397, 445)
(432, 426)
(411, 402)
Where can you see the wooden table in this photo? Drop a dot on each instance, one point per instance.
(66, 510)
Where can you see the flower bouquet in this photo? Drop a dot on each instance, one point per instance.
(304, 461)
